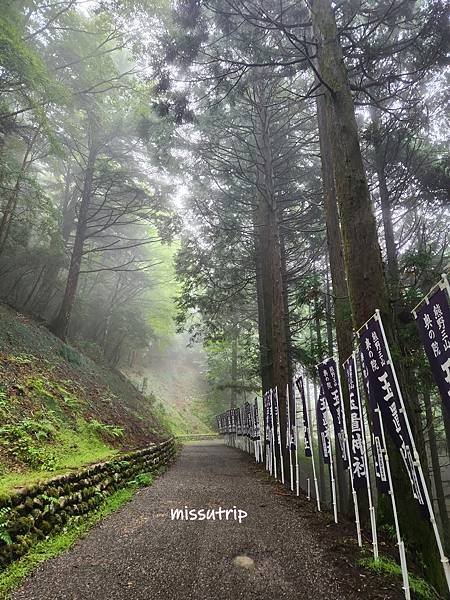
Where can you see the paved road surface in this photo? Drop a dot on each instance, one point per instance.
(139, 553)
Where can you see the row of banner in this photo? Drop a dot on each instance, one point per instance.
(372, 362)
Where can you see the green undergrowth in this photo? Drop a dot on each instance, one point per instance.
(55, 545)
(420, 589)
(72, 450)
(61, 410)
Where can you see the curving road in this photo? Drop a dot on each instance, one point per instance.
(281, 550)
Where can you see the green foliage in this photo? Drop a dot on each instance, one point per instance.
(389, 530)
(4, 524)
(142, 479)
(22, 64)
(386, 566)
(103, 428)
(23, 442)
(71, 355)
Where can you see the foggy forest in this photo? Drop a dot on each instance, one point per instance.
(201, 201)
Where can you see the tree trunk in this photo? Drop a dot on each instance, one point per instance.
(437, 475)
(446, 417)
(288, 334)
(60, 325)
(234, 366)
(389, 238)
(11, 204)
(342, 312)
(264, 297)
(269, 246)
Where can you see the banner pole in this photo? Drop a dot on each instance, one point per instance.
(311, 434)
(280, 445)
(288, 438)
(333, 482)
(400, 543)
(373, 522)
(444, 559)
(350, 470)
(333, 485)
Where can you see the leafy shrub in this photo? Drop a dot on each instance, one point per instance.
(71, 355)
(103, 428)
(4, 524)
(142, 479)
(20, 440)
(386, 566)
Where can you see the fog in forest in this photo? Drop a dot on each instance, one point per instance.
(199, 202)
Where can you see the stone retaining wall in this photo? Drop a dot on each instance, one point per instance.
(35, 512)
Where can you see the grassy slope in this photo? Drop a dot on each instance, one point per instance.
(59, 409)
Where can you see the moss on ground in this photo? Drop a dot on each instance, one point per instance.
(420, 589)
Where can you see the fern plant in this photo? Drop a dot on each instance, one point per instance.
(4, 523)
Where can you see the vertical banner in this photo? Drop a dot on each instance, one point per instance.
(267, 419)
(308, 434)
(378, 449)
(290, 439)
(237, 413)
(329, 381)
(288, 419)
(325, 444)
(243, 422)
(248, 419)
(306, 425)
(322, 428)
(382, 387)
(358, 450)
(433, 321)
(277, 428)
(269, 430)
(356, 442)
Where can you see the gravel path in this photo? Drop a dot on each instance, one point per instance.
(140, 553)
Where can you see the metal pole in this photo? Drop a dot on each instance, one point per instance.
(401, 545)
(373, 523)
(333, 483)
(417, 463)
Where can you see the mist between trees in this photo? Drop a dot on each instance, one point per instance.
(267, 173)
